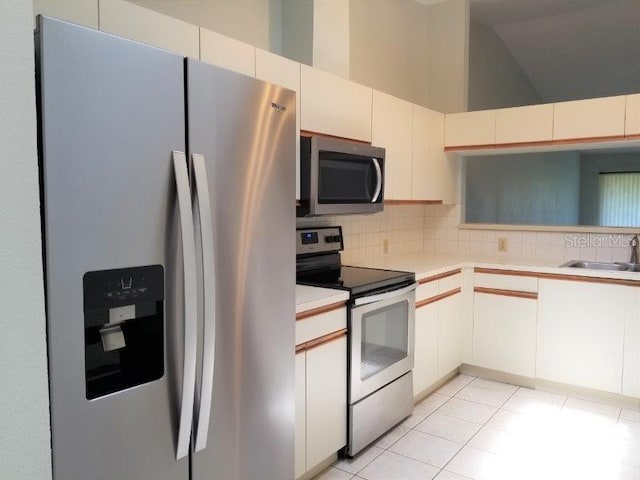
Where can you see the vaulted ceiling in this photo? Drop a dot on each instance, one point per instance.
(570, 49)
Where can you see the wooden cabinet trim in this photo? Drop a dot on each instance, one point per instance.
(316, 342)
(497, 271)
(506, 293)
(579, 278)
(414, 202)
(437, 298)
(307, 133)
(439, 276)
(320, 310)
(541, 143)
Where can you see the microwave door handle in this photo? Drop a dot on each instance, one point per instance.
(190, 304)
(376, 194)
(385, 296)
(209, 287)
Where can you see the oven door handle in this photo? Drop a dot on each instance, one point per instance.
(384, 296)
(376, 194)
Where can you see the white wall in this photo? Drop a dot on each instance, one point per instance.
(24, 403)
(389, 47)
(496, 80)
(256, 22)
(448, 55)
(297, 30)
(331, 36)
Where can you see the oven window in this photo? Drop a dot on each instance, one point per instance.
(345, 178)
(385, 338)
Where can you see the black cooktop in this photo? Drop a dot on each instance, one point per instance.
(356, 280)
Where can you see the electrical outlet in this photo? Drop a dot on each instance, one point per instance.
(502, 244)
(385, 246)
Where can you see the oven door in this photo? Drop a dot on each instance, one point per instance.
(382, 340)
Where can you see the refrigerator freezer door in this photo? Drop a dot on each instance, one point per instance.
(246, 131)
(112, 111)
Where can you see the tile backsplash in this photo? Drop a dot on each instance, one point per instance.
(408, 229)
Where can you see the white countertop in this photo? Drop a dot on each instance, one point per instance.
(308, 298)
(427, 264)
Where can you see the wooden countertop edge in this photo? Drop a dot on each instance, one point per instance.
(506, 293)
(439, 276)
(437, 298)
(316, 342)
(320, 310)
(559, 276)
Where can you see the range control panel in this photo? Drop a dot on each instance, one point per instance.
(318, 240)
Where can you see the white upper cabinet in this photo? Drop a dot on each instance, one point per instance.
(282, 71)
(524, 124)
(227, 52)
(596, 117)
(150, 27)
(81, 12)
(470, 128)
(334, 106)
(632, 116)
(435, 173)
(392, 129)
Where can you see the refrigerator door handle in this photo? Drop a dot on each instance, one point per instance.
(209, 285)
(190, 303)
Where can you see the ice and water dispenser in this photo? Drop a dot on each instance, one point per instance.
(123, 328)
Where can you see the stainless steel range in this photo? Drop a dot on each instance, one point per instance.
(381, 333)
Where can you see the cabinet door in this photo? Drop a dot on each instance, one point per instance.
(301, 415)
(504, 333)
(227, 52)
(420, 181)
(595, 117)
(282, 71)
(81, 12)
(631, 365)
(581, 332)
(524, 124)
(334, 106)
(392, 129)
(450, 334)
(425, 369)
(470, 128)
(632, 116)
(147, 26)
(326, 400)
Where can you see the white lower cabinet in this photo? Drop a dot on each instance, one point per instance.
(301, 414)
(631, 359)
(504, 333)
(450, 334)
(321, 388)
(581, 330)
(326, 405)
(425, 370)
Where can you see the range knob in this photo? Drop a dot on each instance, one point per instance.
(332, 239)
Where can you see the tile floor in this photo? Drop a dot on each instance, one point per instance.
(478, 429)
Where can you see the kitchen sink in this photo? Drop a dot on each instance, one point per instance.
(611, 266)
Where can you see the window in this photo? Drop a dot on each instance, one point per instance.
(619, 199)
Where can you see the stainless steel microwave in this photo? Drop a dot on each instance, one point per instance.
(340, 177)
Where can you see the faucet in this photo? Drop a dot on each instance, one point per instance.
(633, 243)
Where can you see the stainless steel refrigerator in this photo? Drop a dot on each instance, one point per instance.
(167, 189)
